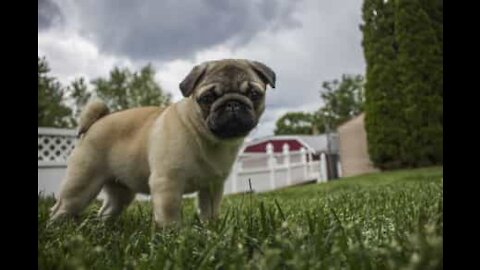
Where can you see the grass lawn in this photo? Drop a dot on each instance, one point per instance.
(388, 220)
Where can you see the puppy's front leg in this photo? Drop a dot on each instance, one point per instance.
(167, 199)
(209, 200)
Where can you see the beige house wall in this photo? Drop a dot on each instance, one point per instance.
(354, 156)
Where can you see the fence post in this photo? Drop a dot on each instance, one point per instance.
(286, 162)
(271, 165)
(309, 163)
(323, 166)
(303, 152)
(339, 169)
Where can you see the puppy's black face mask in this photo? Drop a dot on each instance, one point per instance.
(230, 95)
(231, 113)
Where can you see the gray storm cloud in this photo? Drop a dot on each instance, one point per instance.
(166, 30)
(49, 14)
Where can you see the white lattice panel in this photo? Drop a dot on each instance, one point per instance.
(55, 145)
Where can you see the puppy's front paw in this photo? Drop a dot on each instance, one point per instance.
(165, 224)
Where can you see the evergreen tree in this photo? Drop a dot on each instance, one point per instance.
(384, 122)
(421, 80)
(403, 48)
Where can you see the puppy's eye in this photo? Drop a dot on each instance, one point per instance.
(254, 95)
(207, 98)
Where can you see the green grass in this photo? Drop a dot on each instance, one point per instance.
(388, 220)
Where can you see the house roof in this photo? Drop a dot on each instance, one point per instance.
(315, 143)
(357, 118)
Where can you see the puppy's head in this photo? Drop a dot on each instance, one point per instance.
(229, 94)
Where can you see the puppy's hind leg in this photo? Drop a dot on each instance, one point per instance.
(118, 197)
(81, 185)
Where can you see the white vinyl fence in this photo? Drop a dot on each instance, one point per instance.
(267, 171)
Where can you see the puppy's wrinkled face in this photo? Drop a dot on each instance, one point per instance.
(231, 96)
(231, 102)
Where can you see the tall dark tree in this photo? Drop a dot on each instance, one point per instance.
(403, 48)
(420, 73)
(384, 121)
(52, 110)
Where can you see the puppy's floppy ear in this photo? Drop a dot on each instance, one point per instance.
(192, 79)
(264, 72)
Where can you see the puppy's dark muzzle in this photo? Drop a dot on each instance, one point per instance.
(232, 119)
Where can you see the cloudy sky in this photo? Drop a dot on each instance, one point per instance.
(304, 41)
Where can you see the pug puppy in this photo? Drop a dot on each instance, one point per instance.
(186, 147)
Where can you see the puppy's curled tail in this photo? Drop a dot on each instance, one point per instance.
(94, 110)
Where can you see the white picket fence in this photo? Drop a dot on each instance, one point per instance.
(269, 171)
(266, 171)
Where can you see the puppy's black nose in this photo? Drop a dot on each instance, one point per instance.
(233, 106)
